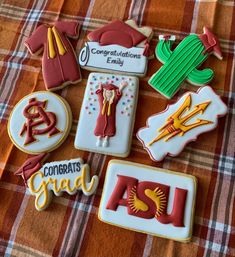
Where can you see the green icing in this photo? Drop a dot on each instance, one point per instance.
(200, 77)
(180, 65)
(163, 50)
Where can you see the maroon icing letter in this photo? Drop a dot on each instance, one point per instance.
(37, 117)
(177, 215)
(124, 184)
(130, 185)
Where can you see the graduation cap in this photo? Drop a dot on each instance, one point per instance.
(109, 86)
(119, 33)
(211, 43)
(31, 166)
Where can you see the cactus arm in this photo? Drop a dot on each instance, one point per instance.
(163, 49)
(200, 77)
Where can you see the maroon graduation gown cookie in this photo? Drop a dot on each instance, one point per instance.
(59, 64)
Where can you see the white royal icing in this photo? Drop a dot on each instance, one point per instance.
(175, 145)
(41, 182)
(113, 58)
(44, 143)
(171, 37)
(119, 145)
(121, 218)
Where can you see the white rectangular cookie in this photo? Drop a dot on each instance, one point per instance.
(148, 200)
(107, 114)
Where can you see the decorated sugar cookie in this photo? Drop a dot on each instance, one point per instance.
(40, 122)
(169, 131)
(107, 115)
(149, 200)
(56, 177)
(119, 47)
(182, 63)
(59, 64)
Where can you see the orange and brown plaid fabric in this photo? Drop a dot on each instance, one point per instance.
(70, 227)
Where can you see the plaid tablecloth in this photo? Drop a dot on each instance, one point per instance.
(70, 227)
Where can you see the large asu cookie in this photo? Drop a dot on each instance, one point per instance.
(149, 200)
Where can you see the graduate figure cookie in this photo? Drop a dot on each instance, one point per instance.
(148, 200)
(182, 63)
(40, 122)
(56, 177)
(107, 115)
(168, 132)
(59, 64)
(118, 47)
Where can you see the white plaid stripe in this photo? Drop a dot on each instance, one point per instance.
(148, 246)
(222, 2)
(197, 158)
(213, 246)
(15, 227)
(3, 109)
(23, 249)
(215, 225)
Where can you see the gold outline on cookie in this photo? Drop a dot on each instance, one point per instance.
(67, 125)
(184, 240)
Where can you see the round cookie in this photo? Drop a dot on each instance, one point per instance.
(40, 122)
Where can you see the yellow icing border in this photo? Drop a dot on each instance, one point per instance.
(184, 240)
(123, 155)
(67, 128)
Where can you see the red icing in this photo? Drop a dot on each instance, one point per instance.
(126, 184)
(106, 124)
(32, 165)
(166, 37)
(141, 187)
(61, 68)
(146, 49)
(210, 42)
(36, 118)
(117, 32)
(177, 215)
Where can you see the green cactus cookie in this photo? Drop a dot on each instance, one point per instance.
(182, 63)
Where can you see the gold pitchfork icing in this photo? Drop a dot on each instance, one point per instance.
(176, 124)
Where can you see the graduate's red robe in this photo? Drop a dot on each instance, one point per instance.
(106, 124)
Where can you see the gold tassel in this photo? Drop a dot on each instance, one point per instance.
(103, 109)
(51, 49)
(59, 42)
(109, 109)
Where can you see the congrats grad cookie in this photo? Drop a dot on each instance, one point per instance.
(168, 132)
(182, 63)
(148, 200)
(119, 47)
(40, 122)
(107, 115)
(57, 177)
